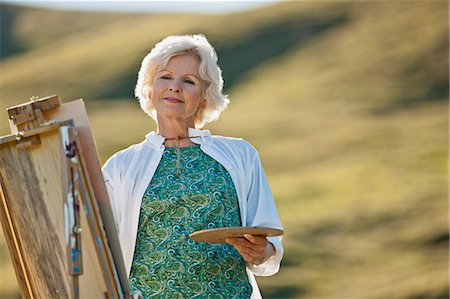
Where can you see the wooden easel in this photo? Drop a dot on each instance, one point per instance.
(54, 206)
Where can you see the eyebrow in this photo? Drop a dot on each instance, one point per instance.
(189, 74)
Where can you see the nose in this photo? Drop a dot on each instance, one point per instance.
(174, 87)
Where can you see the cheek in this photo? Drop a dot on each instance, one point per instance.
(196, 99)
(195, 93)
(158, 86)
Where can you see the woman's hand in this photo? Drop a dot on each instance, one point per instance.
(254, 249)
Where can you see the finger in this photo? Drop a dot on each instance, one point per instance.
(250, 252)
(237, 240)
(255, 253)
(231, 240)
(245, 243)
(243, 246)
(257, 240)
(245, 250)
(247, 254)
(246, 257)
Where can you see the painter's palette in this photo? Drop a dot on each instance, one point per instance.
(218, 235)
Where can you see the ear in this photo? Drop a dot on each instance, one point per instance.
(149, 95)
(202, 104)
(201, 107)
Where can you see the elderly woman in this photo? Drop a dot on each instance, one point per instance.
(181, 179)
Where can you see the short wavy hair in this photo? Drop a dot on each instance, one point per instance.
(209, 72)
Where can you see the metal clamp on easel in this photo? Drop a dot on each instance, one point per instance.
(72, 224)
(28, 115)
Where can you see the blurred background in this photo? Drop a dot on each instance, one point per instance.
(346, 101)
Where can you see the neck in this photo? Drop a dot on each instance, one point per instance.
(171, 129)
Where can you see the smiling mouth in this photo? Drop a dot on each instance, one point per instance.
(173, 100)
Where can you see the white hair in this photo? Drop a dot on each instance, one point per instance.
(209, 72)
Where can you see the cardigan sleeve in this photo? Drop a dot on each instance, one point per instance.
(262, 212)
(108, 171)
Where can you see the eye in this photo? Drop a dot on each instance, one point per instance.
(189, 81)
(165, 77)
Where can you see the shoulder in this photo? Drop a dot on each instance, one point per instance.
(235, 145)
(231, 141)
(126, 155)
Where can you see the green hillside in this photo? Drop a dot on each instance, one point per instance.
(347, 103)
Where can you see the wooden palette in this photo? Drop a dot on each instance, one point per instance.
(218, 235)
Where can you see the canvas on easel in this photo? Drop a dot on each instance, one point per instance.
(54, 206)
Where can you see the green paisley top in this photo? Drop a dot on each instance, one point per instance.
(166, 263)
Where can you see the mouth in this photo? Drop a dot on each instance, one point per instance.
(173, 100)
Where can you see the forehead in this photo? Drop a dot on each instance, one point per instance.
(184, 63)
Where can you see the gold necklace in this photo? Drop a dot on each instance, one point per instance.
(178, 139)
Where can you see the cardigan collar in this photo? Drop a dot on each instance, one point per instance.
(158, 140)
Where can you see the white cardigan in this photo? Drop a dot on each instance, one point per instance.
(128, 173)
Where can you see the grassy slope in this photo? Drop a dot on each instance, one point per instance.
(351, 126)
(358, 159)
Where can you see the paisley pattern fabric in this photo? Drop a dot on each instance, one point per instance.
(166, 263)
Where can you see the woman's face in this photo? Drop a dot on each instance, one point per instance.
(177, 89)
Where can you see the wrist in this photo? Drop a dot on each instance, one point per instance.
(268, 253)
